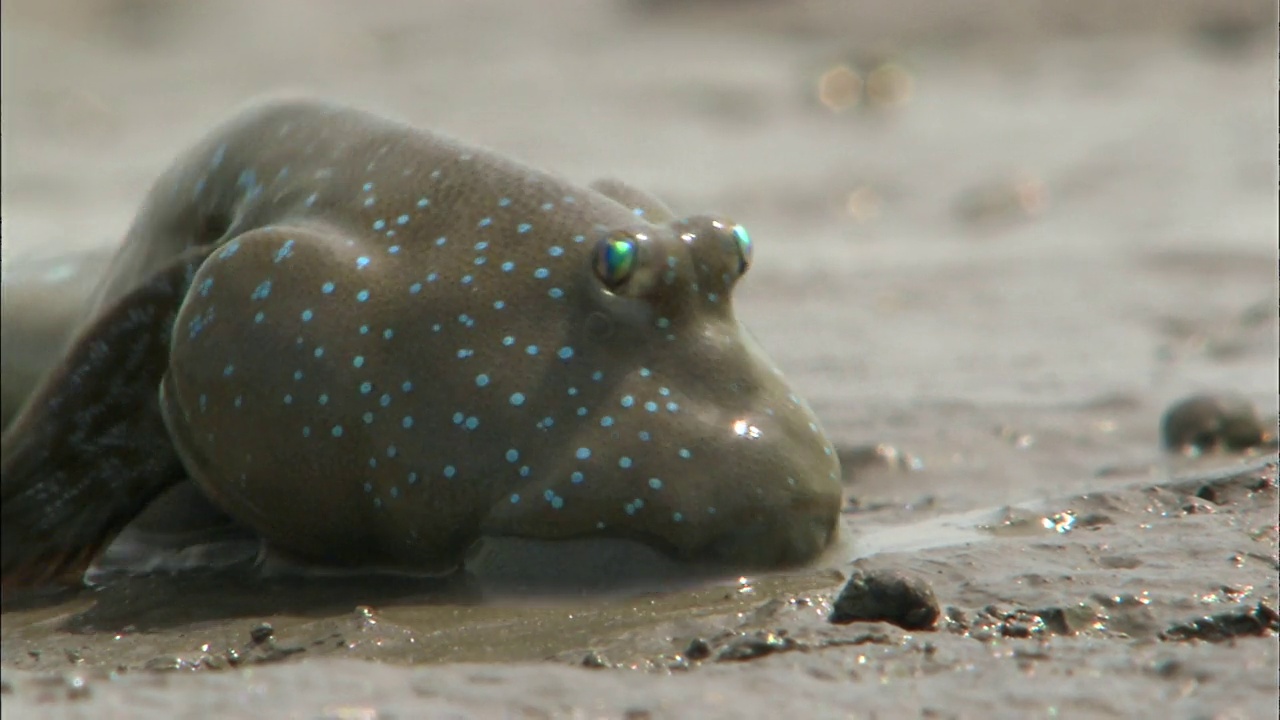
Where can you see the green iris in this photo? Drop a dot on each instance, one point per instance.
(744, 247)
(615, 261)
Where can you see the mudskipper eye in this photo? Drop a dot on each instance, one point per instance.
(744, 248)
(615, 260)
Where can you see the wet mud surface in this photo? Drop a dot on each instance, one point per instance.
(990, 265)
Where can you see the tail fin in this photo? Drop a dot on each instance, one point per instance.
(90, 450)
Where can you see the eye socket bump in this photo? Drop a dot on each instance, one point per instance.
(745, 247)
(615, 260)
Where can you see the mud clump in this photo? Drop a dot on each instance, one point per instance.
(1203, 423)
(1260, 620)
(886, 596)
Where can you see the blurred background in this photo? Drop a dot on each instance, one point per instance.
(995, 238)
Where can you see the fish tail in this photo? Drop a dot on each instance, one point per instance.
(89, 450)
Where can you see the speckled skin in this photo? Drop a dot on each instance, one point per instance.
(375, 345)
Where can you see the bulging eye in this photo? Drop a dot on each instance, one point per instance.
(744, 248)
(615, 260)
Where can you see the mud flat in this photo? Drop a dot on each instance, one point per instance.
(991, 253)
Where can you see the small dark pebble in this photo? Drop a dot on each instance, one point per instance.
(261, 632)
(698, 649)
(886, 596)
(594, 659)
(1261, 619)
(1202, 423)
(750, 647)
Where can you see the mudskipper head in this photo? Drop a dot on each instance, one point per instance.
(682, 433)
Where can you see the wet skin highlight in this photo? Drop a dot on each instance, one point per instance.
(375, 345)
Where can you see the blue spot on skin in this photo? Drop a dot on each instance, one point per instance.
(206, 286)
(481, 245)
(406, 422)
(517, 399)
(306, 431)
(504, 202)
(379, 224)
(385, 400)
(388, 334)
(432, 277)
(413, 478)
(415, 288)
(358, 361)
(323, 399)
(606, 421)
(472, 423)
(645, 372)
(523, 228)
(440, 241)
(366, 387)
(579, 239)
(327, 288)
(628, 401)
(285, 251)
(482, 380)
(556, 293)
(288, 399)
(450, 471)
(515, 498)
(532, 350)
(651, 406)
(677, 517)
(546, 207)
(684, 453)
(466, 279)
(393, 249)
(406, 387)
(319, 352)
(576, 477)
(508, 341)
(624, 462)
(297, 374)
(672, 407)
(485, 222)
(368, 186)
(402, 220)
(369, 201)
(364, 329)
(655, 483)
(259, 316)
(582, 411)
(541, 273)
(583, 453)
(263, 291)
(513, 455)
(336, 431)
(555, 251)
(228, 370)
(362, 261)
(565, 352)
(307, 315)
(644, 435)
(458, 418)
(499, 304)
(597, 376)
(362, 296)
(311, 199)
(508, 266)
